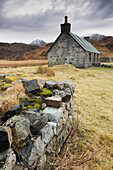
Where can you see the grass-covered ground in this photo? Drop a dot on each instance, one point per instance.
(94, 106)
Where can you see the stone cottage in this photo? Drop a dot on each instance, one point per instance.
(69, 48)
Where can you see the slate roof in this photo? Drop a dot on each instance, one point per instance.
(87, 46)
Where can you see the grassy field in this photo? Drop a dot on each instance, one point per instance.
(94, 106)
(10, 64)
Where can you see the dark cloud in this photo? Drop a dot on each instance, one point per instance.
(85, 16)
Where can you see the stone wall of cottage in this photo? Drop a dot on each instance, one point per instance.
(91, 59)
(29, 135)
(67, 51)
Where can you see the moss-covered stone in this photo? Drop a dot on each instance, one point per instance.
(35, 100)
(46, 92)
(10, 78)
(27, 107)
(4, 85)
(36, 106)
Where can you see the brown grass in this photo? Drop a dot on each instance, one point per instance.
(11, 97)
(94, 103)
(14, 64)
(46, 70)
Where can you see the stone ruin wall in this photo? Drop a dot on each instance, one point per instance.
(35, 134)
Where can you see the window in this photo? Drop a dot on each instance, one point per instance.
(89, 57)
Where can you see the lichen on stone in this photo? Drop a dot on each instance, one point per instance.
(35, 100)
(46, 92)
(10, 78)
(36, 106)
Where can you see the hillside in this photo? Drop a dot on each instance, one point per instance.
(39, 53)
(104, 46)
(19, 51)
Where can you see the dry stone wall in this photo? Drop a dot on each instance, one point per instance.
(37, 131)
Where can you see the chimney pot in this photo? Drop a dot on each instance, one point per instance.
(66, 19)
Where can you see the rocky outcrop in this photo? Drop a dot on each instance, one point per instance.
(38, 125)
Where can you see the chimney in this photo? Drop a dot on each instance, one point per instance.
(87, 38)
(66, 27)
(66, 19)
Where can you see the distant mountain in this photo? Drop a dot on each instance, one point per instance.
(38, 42)
(104, 46)
(95, 36)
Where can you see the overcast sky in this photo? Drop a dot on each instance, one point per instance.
(27, 20)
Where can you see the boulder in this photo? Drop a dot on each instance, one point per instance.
(31, 86)
(7, 160)
(32, 152)
(37, 122)
(54, 114)
(11, 112)
(54, 101)
(21, 127)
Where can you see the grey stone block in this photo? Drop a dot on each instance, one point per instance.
(47, 133)
(10, 160)
(31, 86)
(54, 101)
(37, 121)
(11, 112)
(21, 127)
(32, 152)
(54, 114)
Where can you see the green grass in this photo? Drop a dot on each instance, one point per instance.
(94, 103)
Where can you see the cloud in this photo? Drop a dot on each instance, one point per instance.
(34, 17)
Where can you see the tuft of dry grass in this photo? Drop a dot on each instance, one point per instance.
(41, 70)
(50, 72)
(46, 70)
(11, 96)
